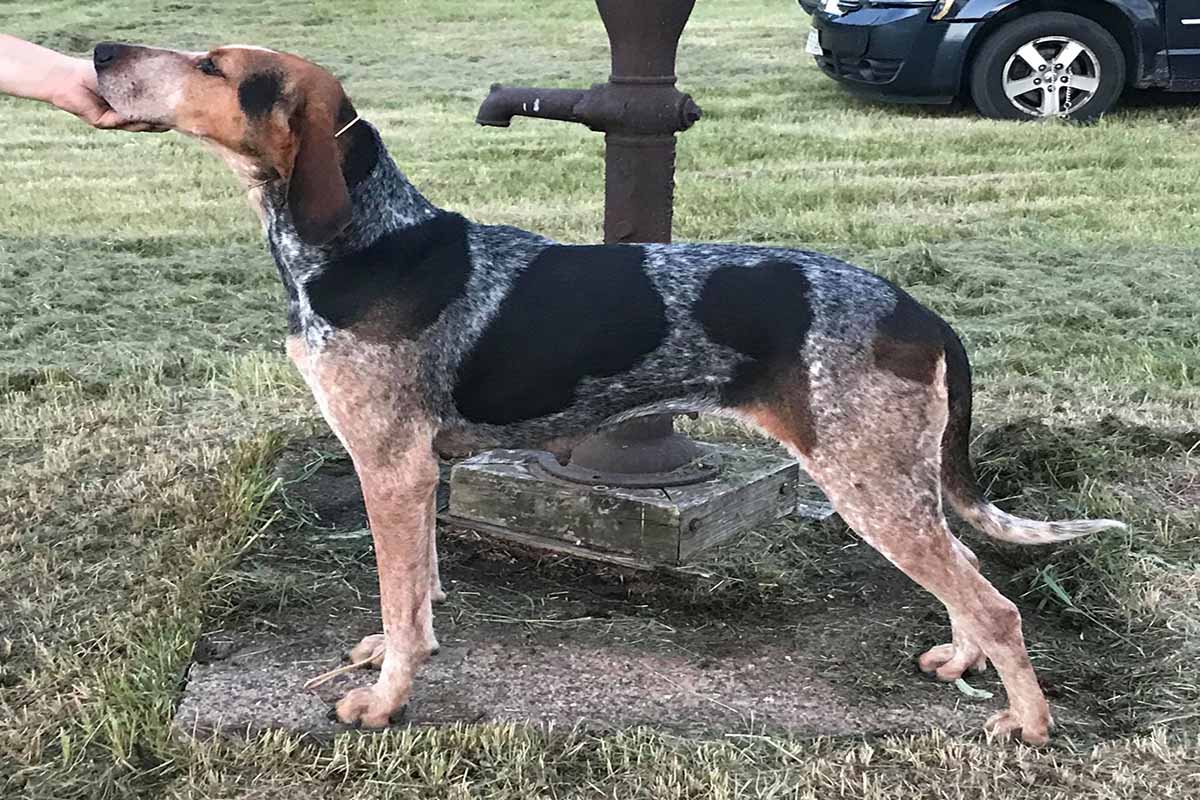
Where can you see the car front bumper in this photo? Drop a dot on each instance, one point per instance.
(895, 54)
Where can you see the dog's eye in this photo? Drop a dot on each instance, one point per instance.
(207, 66)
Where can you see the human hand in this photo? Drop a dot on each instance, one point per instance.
(73, 89)
(29, 70)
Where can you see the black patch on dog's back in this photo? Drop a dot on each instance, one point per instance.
(574, 312)
(910, 339)
(763, 313)
(909, 321)
(259, 93)
(398, 286)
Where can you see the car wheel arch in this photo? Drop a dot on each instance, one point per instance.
(1108, 16)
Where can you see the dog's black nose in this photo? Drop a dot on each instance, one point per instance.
(106, 54)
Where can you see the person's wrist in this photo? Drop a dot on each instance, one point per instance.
(63, 82)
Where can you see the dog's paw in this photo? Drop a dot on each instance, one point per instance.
(366, 708)
(1006, 724)
(369, 653)
(370, 650)
(948, 662)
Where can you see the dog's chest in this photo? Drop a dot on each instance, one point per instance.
(297, 265)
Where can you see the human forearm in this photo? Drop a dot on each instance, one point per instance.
(27, 70)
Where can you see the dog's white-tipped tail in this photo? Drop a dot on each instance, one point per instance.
(960, 487)
(985, 517)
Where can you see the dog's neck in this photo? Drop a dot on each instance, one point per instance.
(381, 198)
(382, 201)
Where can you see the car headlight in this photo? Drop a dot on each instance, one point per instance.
(941, 9)
(938, 9)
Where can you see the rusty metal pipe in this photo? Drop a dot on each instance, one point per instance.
(505, 102)
(640, 111)
(644, 36)
(660, 110)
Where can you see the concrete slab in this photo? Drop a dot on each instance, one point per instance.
(566, 683)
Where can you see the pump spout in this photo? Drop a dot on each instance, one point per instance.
(505, 102)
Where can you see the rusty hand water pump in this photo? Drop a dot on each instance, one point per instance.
(639, 110)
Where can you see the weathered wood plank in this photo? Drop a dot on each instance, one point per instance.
(549, 543)
(509, 492)
(506, 490)
(755, 489)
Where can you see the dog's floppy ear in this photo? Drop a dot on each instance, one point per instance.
(317, 193)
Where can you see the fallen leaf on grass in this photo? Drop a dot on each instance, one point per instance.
(971, 692)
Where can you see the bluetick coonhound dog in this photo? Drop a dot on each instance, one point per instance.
(418, 329)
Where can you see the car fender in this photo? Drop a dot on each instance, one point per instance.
(1141, 15)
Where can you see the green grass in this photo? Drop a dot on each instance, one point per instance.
(143, 391)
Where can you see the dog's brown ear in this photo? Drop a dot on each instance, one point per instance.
(317, 193)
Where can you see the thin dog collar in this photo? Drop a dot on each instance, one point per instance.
(347, 126)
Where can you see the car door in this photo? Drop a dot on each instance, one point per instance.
(1183, 39)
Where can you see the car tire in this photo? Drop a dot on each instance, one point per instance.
(1080, 55)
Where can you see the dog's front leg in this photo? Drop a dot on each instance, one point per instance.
(436, 591)
(369, 652)
(398, 492)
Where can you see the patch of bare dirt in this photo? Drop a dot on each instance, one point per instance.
(538, 637)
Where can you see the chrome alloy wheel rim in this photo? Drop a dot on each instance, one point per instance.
(1051, 76)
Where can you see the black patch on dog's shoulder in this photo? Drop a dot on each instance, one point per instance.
(398, 286)
(763, 313)
(574, 312)
(259, 93)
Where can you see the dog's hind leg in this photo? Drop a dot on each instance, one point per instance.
(949, 662)
(874, 448)
(921, 545)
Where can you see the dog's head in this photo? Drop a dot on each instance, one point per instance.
(271, 115)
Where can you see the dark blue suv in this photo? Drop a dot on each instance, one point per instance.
(1017, 59)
